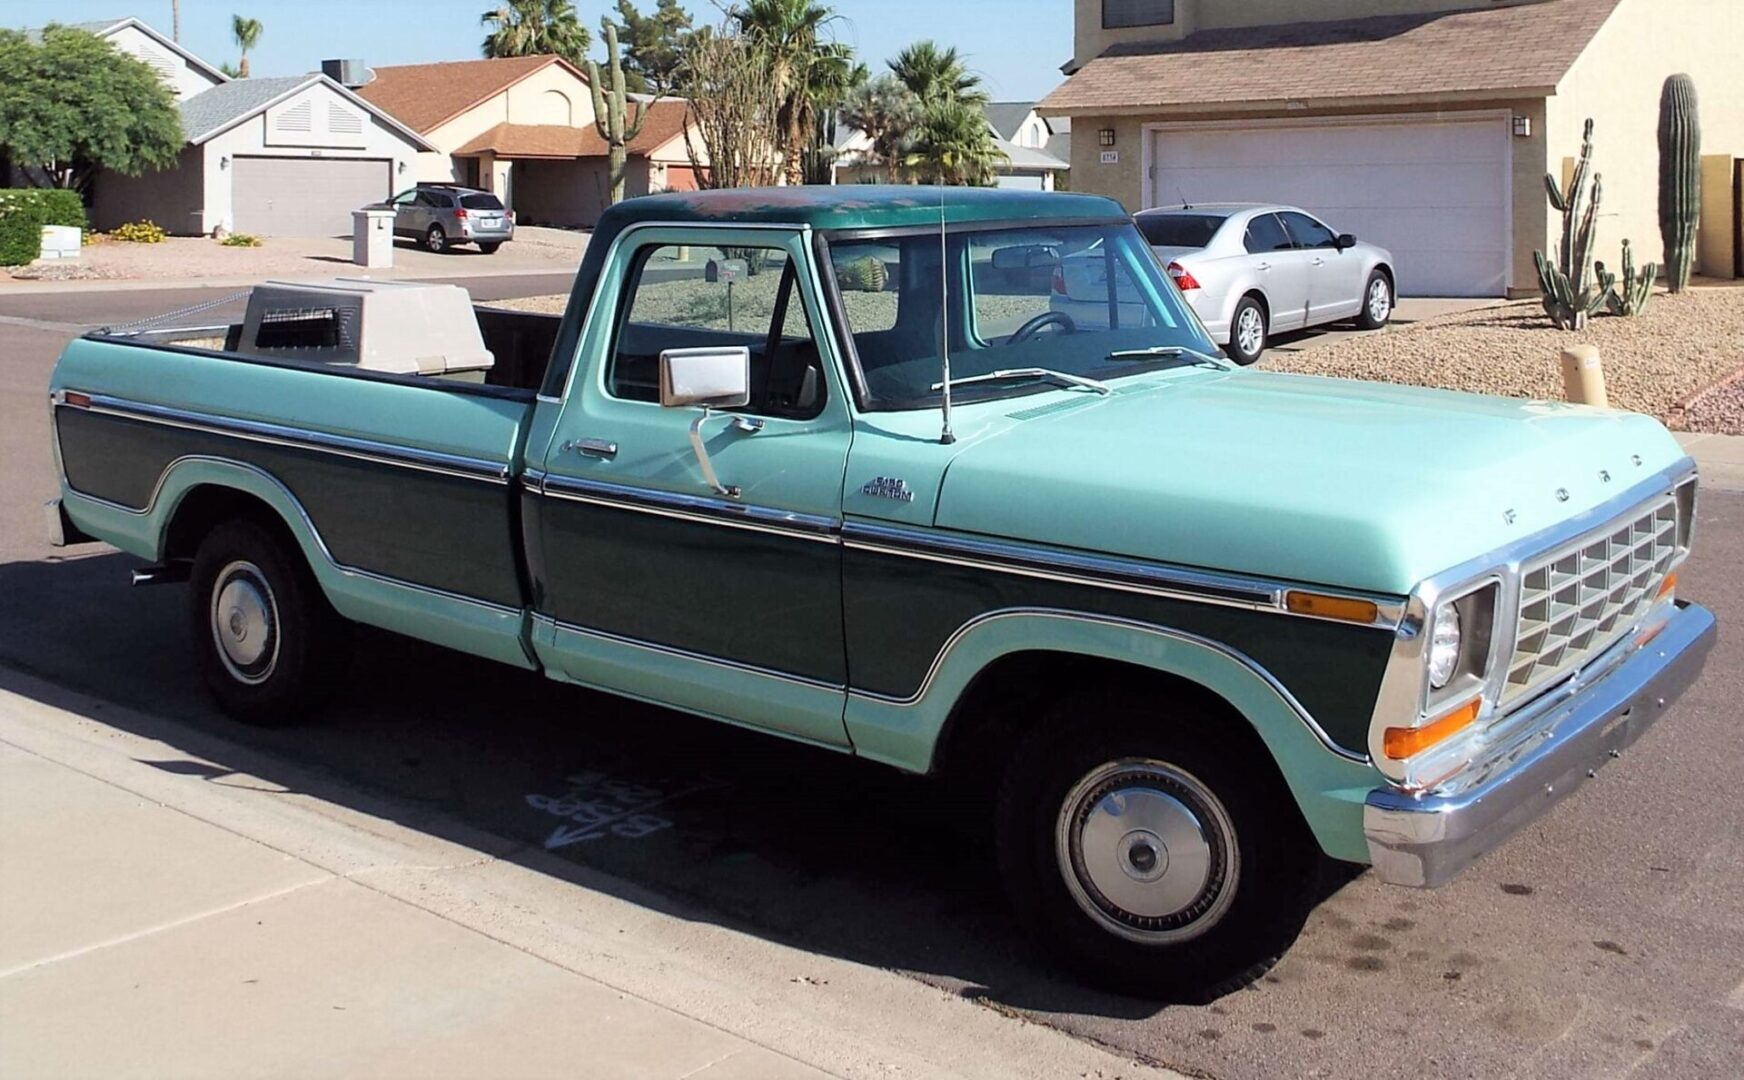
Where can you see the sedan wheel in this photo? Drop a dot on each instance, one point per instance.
(1247, 331)
(1377, 302)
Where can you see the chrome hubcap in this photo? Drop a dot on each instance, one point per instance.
(1147, 851)
(1379, 301)
(245, 622)
(1250, 332)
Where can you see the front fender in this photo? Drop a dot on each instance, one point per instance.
(1329, 784)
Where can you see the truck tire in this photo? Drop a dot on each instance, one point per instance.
(271, 648)
(1153, 852)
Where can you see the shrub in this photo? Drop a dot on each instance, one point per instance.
(138, 232)
(23, 213)
(240, 239)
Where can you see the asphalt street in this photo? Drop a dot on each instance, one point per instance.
(1607, 940)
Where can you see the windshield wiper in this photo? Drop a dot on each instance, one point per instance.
(1155, 352)
(1030, 373)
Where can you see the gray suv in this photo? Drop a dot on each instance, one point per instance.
(441, 215)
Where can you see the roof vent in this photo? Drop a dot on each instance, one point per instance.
(350, 74)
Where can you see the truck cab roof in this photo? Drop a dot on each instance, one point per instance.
(860, 206)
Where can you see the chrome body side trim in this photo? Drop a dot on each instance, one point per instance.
(405, 457)
(697, 508)
(1236, 655)
(1097, 571)
(1425, 840)
(675, 653)
(308, 523)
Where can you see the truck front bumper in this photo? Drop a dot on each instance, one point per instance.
(1425, 841)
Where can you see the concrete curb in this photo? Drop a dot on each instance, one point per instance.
(679, 977)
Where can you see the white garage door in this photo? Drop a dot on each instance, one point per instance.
(304, 196)
(1434, 193)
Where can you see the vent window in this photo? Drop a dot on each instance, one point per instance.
(299, 117)
(342, 121)
(1122, 13)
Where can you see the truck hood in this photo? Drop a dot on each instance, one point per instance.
(1356, 484)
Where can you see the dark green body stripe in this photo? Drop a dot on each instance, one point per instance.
(440, 530)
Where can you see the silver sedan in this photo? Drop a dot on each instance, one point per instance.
(1251, 270)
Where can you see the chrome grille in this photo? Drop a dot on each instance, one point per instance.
(1582, 597)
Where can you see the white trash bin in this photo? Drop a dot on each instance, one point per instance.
(61, 241)
(372, 237)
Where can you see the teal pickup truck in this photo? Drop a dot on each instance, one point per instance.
(836, 464)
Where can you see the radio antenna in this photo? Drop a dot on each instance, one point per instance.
(945, 436)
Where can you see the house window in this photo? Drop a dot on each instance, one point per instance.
(1120, 13)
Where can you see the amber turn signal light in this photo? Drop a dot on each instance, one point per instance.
(1668, 586)
(1344, 608)
(1403, 742)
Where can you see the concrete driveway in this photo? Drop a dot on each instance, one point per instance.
(1410, 309)
(1604, 941)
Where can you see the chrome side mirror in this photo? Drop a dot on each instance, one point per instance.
(715, 377)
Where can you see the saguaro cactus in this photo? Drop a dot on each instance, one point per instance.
(1680, 177)
(1570, 292)
(611, 113)
(1631, 299)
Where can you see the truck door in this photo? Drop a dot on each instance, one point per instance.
(650, 581)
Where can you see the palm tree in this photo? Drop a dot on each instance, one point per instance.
(805, 71)
(953, 145)
(886, 112)
(536, 28)
(935, 75)
(247, 33)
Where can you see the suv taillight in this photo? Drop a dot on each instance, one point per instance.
(460, 214)
(1183, 280)
(1059, 285)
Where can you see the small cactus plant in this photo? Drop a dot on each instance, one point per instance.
(1631, 299)
(1680, 177)
(863, 275)
(1571, 294)
(611, 113)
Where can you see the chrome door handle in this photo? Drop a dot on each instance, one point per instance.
(1265, 266)
(1319, 261)
(604, 449)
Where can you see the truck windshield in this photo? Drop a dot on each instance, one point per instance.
(1081, 300)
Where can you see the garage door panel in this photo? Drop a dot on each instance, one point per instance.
(1434, 192)
(304, 196)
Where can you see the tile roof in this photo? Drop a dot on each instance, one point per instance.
(425, 96)
(214, 108)
(665, 120)
(1530, 46)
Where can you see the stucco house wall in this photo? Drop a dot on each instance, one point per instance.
(1617, 83)
(1091, 37)
(254, 136)
(551, 95)
(185, 79)
(174, 198)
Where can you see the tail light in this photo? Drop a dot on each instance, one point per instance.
(1060, 281)
(460, 214)
(1183, 279)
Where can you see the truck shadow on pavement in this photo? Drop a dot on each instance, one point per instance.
(791, 843)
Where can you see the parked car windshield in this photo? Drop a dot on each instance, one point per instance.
(481, 201)
(1179, 230)
(1063, 298)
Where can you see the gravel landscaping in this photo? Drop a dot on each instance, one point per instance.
(1679, 346)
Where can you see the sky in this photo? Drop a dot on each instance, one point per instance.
(1017, 46)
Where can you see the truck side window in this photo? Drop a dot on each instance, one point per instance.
(688, 297)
